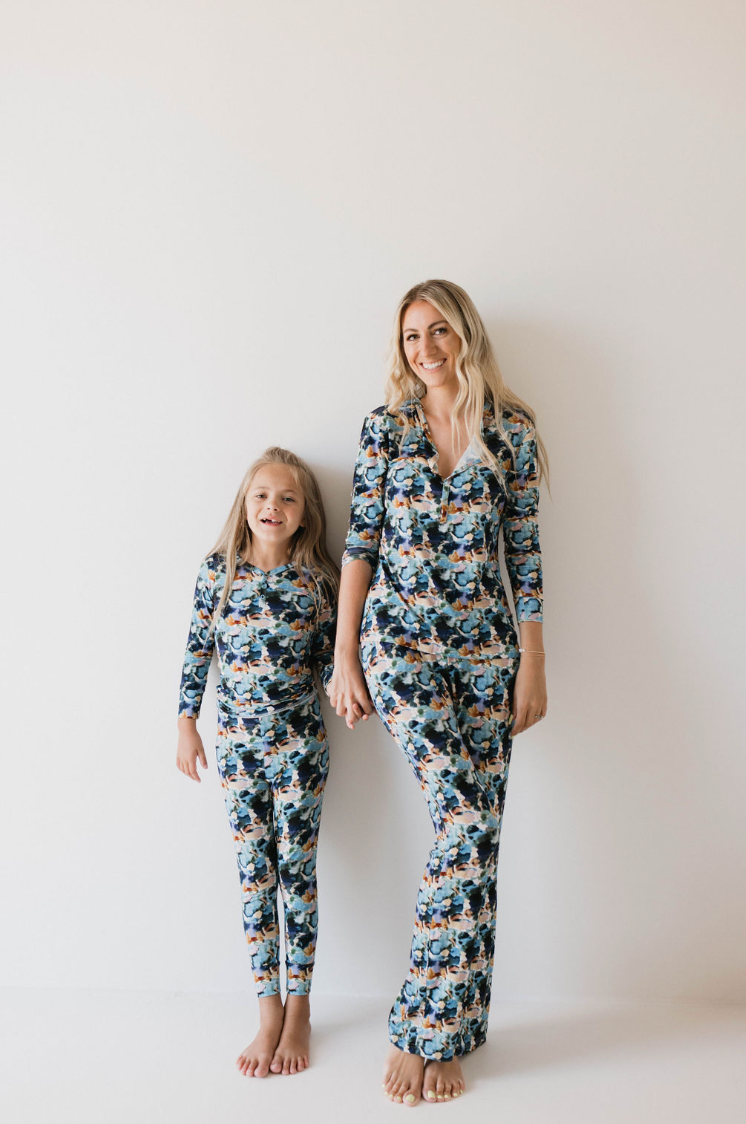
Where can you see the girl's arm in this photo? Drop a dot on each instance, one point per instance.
(347, 690)
(523, 560)
(199, 650)
(322, 645)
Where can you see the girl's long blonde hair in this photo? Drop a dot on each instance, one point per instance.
(479, 377)
(308, 547)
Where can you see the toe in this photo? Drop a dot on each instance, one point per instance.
(261, 1069)
(286, 1066)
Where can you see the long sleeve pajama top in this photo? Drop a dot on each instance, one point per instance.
(433, 543)
(275, 628)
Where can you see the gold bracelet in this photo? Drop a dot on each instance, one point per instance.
(531, 652)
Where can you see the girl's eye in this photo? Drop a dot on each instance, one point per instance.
(289, 499)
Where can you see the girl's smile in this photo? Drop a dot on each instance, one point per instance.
(274, 506)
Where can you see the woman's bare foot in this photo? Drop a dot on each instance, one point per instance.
(443, 1081)
(291, 1053)
(402, 1076)
(256, 1058)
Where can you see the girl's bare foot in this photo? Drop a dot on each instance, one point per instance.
(402, 1076)
(291, 1052)
(256, 1058)
(443, 1081)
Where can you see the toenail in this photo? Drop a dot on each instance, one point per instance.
(430, 1095)
(440, 1098)
(410, 1097)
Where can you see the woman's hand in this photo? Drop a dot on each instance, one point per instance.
(347, 691)
(529, 693)
(189, 749)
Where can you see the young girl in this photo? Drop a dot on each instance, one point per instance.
(265, 599)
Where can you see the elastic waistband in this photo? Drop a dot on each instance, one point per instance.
(245, 715)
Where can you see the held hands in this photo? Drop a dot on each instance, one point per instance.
(348, 693)
(529, 693)
(189, 749)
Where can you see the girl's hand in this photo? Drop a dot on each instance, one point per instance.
(189, 749)
(347, 691)
(529, 693)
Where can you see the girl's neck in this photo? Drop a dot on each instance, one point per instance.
(268, 557)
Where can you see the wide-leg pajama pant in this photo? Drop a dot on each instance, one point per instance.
(273, 768)
(451, 717)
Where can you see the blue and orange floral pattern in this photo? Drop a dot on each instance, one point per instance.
(275, 630)
(439, 650)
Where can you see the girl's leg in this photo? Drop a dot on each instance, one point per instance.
(300, 764)
(451, 718)
(248, 799)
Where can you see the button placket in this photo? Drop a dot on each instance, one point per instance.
(444, 502)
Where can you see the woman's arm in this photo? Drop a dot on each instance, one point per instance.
(348, 693)
(523, 560)
(530, 690)
(347, 690)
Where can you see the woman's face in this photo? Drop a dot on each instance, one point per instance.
(430, 344)
(274, 505)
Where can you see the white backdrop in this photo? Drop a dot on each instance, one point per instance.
(210, 211)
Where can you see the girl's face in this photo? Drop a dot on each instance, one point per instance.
(430, 344)
(274, 505)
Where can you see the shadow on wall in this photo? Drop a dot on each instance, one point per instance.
(633, 844)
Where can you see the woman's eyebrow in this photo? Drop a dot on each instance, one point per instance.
(433, 325)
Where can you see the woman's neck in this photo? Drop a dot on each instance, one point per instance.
(438, 401)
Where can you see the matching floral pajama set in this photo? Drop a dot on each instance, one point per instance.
(272, 749)
(439, 651)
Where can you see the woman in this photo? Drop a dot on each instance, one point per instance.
(450, 458)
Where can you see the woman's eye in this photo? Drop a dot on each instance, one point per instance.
(408, 339)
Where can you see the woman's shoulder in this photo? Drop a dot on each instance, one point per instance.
(389, 418)
(517, 423)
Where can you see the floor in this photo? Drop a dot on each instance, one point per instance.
(160, 1057)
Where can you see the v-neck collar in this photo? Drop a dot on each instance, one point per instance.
(469, 454)
(265, 573)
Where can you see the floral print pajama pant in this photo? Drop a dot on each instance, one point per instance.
(451, 717)
(273, 767)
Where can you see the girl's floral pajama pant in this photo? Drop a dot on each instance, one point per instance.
(273, 768)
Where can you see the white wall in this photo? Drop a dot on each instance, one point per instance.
(210, 212)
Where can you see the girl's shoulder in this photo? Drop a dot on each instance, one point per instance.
(213, 566)
(316, 581)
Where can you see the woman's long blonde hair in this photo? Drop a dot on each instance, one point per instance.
(478, 374)
(308, 547)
